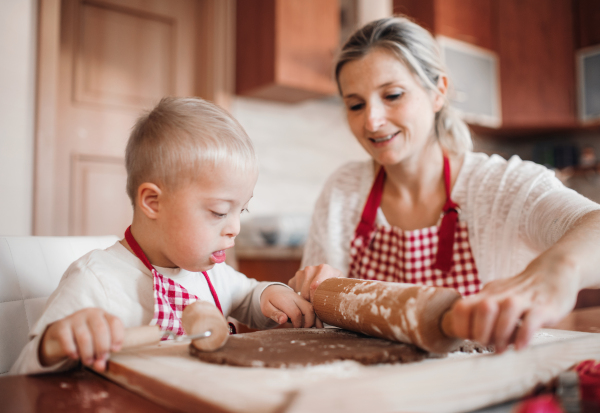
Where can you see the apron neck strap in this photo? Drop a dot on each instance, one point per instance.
(447, 175)
(137, 250)
(369, 214)
(443, 259)
(449, 205)
(214, 294)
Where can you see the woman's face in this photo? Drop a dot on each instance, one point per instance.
(388, 110)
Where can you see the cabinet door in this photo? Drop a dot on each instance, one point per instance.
(587, 23)
(101, 63)
(117, 58)
(470, 21)
(285, 48)
(535, 45)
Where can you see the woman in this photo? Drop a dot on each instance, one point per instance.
(506, 234)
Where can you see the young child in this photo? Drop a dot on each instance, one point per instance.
(191, 170)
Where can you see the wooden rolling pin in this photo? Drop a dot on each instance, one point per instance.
(202, 316)
(197, 319)
(407, 313)
(134, 337)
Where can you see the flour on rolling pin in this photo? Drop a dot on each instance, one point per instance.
(401, 312)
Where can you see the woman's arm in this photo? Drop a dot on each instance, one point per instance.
(509, 311)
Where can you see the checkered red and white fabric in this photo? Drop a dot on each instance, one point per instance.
(409, 257)
(170, 299)
(437, 256)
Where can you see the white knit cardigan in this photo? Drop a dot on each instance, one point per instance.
(514, 209)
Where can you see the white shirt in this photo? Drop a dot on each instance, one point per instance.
(514, 210)
(116, 281)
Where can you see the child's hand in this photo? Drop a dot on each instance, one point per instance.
(280, 303)
(88, 334)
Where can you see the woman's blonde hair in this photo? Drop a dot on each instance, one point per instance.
(417, 49)
(172, 143)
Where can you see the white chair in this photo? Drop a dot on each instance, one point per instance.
(30, 269)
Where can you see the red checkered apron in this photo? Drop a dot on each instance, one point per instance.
(436, 256)
(170, 298)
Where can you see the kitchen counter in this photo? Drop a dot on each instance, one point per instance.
(269, 253)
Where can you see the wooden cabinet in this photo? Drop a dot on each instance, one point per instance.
(587, 23)
(267, 269)
(535, 43)
(466, 20)
(537, 63)
(285, 48)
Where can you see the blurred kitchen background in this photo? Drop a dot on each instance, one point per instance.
(75, 74)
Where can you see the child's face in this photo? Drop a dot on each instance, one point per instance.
(199, 221)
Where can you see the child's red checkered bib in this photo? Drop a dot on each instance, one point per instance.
(170, 298)
(437, 256)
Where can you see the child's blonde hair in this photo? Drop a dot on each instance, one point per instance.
(172, 143)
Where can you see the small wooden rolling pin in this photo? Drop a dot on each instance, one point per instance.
(197, 318)
(407, 313)
(134, 337)
(203, 316)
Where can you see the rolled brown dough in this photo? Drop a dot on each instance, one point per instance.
(305, 347)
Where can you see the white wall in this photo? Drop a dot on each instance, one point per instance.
(299, 146)
(17, 106)
(369, 10)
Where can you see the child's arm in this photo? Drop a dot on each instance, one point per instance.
(87, 335)
(89, 282)
(256, 304)
(280, 303)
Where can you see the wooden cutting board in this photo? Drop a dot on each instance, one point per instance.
(167, 374)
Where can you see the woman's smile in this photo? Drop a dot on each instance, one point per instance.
(380, 140)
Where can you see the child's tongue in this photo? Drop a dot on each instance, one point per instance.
(218, 256)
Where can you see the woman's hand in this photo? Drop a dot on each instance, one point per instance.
(279, 303)
(308, 279)
(89, 334)
(511, 310)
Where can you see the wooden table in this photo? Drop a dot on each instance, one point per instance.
(73, 391)
(584, 319)
(85, 391)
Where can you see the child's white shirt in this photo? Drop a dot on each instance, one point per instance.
(116, 281)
